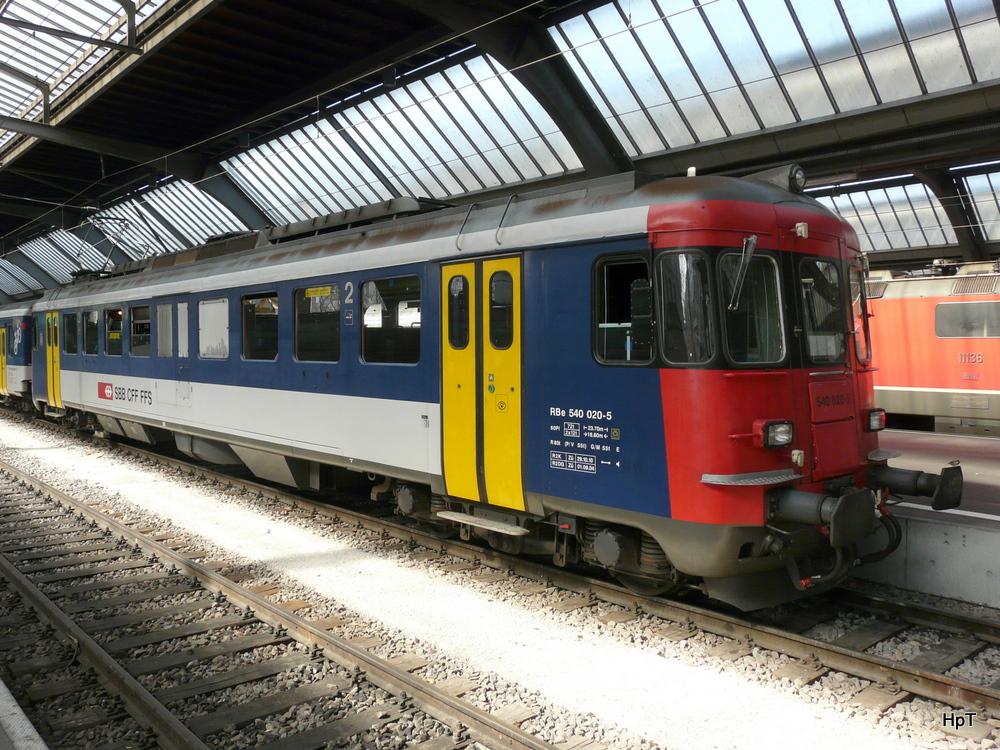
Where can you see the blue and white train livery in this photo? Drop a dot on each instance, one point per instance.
(668, 379)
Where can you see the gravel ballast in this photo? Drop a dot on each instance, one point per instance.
(616, 684)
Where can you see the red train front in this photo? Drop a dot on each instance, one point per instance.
(744, 321)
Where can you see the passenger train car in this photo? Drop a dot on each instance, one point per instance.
(936, 337)
(668, 379)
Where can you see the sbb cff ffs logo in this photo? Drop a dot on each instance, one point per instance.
(109, 392)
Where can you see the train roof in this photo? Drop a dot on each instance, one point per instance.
(940, 279)
(615, 206)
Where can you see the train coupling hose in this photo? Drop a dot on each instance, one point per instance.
(945, 488)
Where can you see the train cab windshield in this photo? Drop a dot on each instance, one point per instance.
(729, 305)
(823, 310)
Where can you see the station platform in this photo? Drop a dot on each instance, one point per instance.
(16, 731)
(948, 553)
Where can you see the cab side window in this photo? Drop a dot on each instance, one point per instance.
(623, 311)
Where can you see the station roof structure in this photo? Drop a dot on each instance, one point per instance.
(131, 128)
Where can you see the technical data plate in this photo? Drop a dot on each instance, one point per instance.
(878, 698)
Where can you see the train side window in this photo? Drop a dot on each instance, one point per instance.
(687, 333)
(90, 331)
(623, 311)
(70, 333)
(260, 326)
(458, 312)
(113, 331)
(317, 323)
(967, 320)
(753, 321)
(182, 330)
(38, 333)
(213, 328)
(164, 330)
(823, 310)
(501, 310)
(140, 341)
(390, 329)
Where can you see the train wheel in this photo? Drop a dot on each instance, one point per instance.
(646, 586)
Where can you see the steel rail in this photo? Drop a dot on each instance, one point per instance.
(918, 681)
(143, 707)
(914, 680)
(481, 726)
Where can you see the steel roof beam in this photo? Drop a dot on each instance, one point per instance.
(957, 205)
(70, 35)
(136, 152)
(522, 44)
(96, 82)
(25, 210)
(31, 81)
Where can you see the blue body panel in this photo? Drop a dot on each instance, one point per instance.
(620, 461)
(18, 346)
(350, 376)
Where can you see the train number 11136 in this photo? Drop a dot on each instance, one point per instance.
(970, 357)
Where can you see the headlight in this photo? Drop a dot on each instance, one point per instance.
(876, 420)
(773, 433)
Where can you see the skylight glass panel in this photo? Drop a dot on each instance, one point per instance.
(17, 280)
(56, 60)
(82, 253)
(173, 217)
(984, 189)
(670, 74)
(893, 218)
(470, 127)
(978, 31)
(131, 227)
(47, 256)
(192, 213)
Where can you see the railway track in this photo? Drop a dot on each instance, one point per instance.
(955, 640)
(131, 609)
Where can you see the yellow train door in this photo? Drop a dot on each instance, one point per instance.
(481, 381)
(4, 390)
(52, 359)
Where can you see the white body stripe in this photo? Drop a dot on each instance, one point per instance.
(912, 389)
(404, 434)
